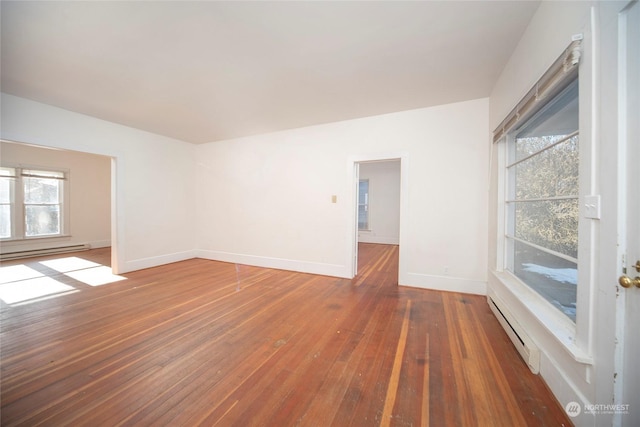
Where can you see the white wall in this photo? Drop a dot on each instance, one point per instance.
(548, 34)
(580, 368)
(153, 178)
(89, 186)
(266, 200)
(384, 202)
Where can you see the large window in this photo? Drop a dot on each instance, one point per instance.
(31, 203)
(542, 201)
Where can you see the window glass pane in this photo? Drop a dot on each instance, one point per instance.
(363, 204)
(552, 224)
(363, 218)
(552, 173)
(41, 190)
(552, 277)
(42, 220)
(554, 122)
(6, 185)
(544, 189)
(5, 221)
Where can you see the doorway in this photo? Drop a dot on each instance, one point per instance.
(86, 208)
(380, 187)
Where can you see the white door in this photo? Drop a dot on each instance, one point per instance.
(630, 195)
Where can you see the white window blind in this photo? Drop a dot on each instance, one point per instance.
(563, 71)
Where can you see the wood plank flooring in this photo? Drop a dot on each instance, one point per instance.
(207, 343)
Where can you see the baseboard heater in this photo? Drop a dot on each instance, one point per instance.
(523, 343)
(41, 252)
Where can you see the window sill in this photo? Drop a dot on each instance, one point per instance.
(556, 324)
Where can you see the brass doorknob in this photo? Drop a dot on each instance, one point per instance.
(626, 281)
(637, 266)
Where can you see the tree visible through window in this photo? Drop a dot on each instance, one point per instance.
(542, 235)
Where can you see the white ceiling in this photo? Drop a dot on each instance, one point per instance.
(206, 71)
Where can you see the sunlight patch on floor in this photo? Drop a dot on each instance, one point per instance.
(96, 276)
(13, 273)
(23, 290)
(64, 265)
(22, 284)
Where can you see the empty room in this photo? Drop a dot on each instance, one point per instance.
(322, 213)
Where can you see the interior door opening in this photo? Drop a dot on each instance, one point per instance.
(89, 216)
(378, 188)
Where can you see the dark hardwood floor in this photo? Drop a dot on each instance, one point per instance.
(208, 343)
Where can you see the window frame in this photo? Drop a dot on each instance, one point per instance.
(575, 338)
(18, 204)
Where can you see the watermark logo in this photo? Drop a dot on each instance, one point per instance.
(607, 409)
(573, 409)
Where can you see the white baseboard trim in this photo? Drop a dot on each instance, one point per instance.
(140, 264)
(334, 270)
(100, 244)
(442, 283)
(381, 240)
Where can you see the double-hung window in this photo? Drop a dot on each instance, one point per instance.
(542, 201)
(32, 203)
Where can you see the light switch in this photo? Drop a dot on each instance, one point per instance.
(334, 199)
(592, 207)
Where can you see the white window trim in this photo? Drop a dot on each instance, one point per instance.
(18, 225)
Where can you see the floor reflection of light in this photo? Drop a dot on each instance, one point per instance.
(64, 265)
(21, 284)
(14, 273)
(95, 276)
(23, 290)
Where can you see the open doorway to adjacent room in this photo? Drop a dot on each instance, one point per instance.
(54, 203)
(377, 207)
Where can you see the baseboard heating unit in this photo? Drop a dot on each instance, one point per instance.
(523, 343)
(41, 252)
